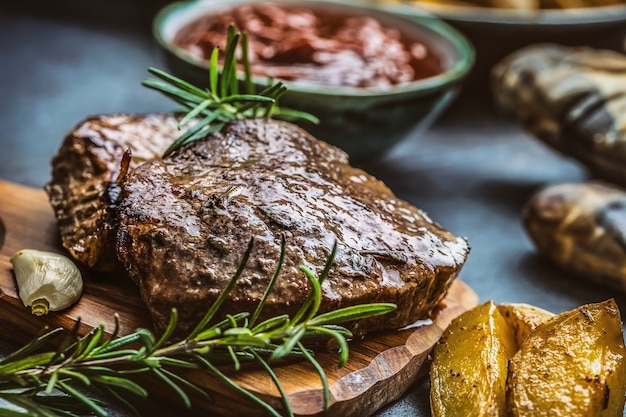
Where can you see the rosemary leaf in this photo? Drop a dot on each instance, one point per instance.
(329, 263)
(295, 115)
(281, 260)
(122, 399)
(214, 71)
(245, 60)
(70, 374)
(289, 343)
(104, 356)
(116, 344)
(147, 340)
(195, 112)
(273, 322)
(123, 383)
(310, 298)
(216, 127)
(241, 98)
(192, 132)
(96, 370)
(234, 358)
(52, 383)
(93, 338)
(183, 97)
(269, 110)
(320, 372)
(351, 313)
(35, 344)
(229, 71)
(16, 366)
(340, 329)
(188, 385)
(243, 391)
(244, 341)
(276, 382)
(239, 319)
(341, 341)
(314, 333)
(169, 329)
(165, 376)
(181, 84)
(314, 299)
(87, 401)
(316, 293)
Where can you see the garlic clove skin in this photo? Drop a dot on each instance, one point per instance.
(46, 281)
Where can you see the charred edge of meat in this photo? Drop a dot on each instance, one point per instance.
(114, 189)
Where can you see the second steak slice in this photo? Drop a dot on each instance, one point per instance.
(185, 222)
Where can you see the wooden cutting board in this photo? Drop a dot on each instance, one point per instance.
(380, 369)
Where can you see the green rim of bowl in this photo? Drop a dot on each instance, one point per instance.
(456, 73)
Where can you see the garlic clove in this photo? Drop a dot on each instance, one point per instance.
(46, 281)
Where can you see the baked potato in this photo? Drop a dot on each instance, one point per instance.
(523, 318)
(581, 227)
(469, 369)
(570, 98)
(572, 365)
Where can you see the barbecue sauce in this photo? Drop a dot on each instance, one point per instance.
(315, 46)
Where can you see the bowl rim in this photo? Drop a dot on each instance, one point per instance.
(572, 17)
(461, 45)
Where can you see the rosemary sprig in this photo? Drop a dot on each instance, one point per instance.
(39, 382)
(222, 101)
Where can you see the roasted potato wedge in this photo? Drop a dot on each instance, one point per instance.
(572, 365)
(523, 318)
(469, 369)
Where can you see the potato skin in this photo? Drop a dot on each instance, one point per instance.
(469, 369)
(581, 227)
(572, 99)
(523, 318)
(572, 365)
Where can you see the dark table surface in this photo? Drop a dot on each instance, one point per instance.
(472, 171)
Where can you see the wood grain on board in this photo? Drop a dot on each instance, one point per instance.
(381, 366)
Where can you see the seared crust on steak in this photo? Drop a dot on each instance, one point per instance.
(86, 163)
(184, 223)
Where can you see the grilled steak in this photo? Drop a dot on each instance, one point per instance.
(183, 223)
(87, 162)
